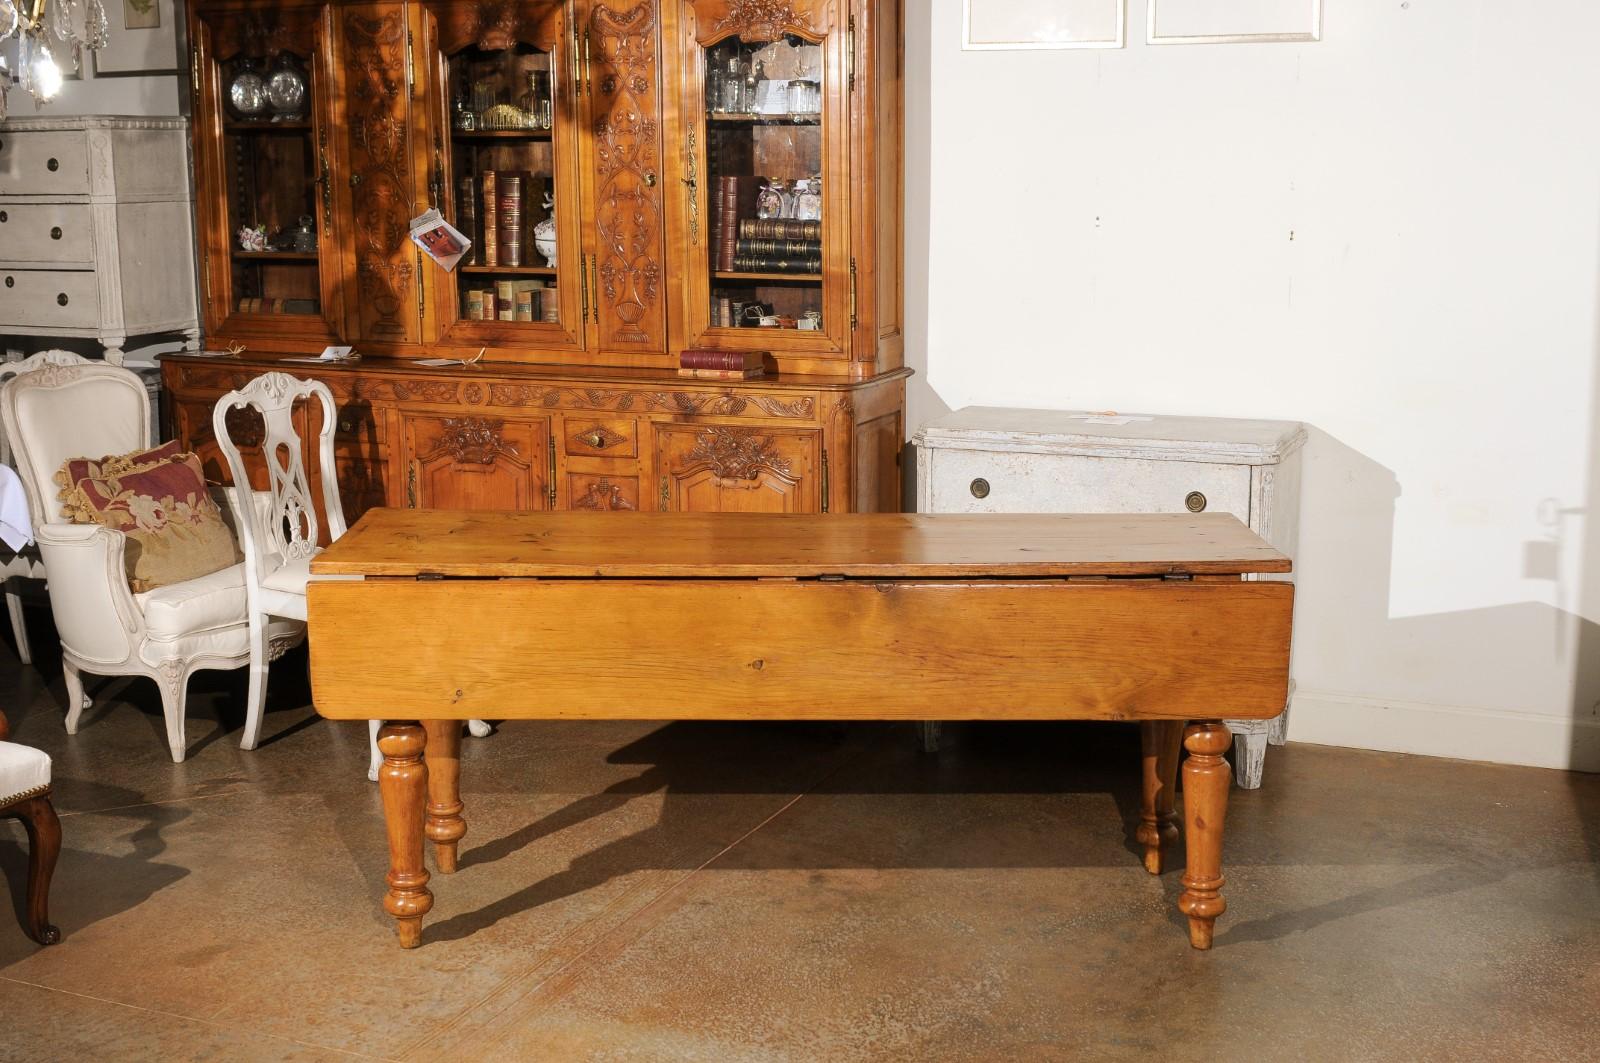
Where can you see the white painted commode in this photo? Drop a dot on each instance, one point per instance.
(989, 460)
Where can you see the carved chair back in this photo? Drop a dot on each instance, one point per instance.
(286, 527)
(57, 412)
(28, 365)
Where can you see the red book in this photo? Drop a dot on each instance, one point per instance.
(489, 218)
(725, 361)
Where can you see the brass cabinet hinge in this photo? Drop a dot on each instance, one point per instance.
(583, 284)
(194, 70)
(577, 59)
(421, 300)
(552, 463)
(594, 282)
(850, 52)
(825, 479)
(852, 294)
(666, 494)
(411, 63)
(588, 79)
(205, 267)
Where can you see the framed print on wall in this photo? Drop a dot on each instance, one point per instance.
(144, 39)
(1233, 21)
(1003, 25)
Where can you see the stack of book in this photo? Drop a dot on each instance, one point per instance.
(777, 245)
(735, 199)
(722, 365)
(512, 300)
(498, 210)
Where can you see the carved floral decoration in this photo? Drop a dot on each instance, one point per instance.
(603, 495)
(736, 453)
(474, 441)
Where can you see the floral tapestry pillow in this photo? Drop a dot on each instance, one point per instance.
(158, 498)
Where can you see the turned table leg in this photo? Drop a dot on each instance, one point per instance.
(1162, 742)
(403, 783)
(444, 826)
(1205, 806)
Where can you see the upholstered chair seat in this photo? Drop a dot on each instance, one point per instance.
(24, 772)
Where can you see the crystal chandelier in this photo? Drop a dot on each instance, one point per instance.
(44, 30)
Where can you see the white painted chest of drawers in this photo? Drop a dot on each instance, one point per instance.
(989, 460)
(96, 232)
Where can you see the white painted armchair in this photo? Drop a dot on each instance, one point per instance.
(66, 411)
(279, 529)
(26, 565)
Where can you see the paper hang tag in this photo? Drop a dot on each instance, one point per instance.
(1110, 417)
(443, 242)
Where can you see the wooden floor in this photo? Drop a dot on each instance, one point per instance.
(703, 891)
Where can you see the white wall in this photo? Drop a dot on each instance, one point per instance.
(1393, 235)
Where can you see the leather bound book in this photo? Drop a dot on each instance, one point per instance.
(510, 220)
(467, 219)
(779, 248)
(722, 361)
(776, 264)
(779, 229)
(739, 202)
(534, 186)
(489, 218)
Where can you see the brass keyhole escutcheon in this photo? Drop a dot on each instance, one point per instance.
(53, 165)
(55, 234)
(1195, 502)
(61, 299)
(980, 488)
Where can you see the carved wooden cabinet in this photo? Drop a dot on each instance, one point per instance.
(602, 155)
(518, 437)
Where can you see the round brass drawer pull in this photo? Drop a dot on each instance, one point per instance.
(346, 426)
(980, 488)
(4, 217)
(11, 282)
(55, 234)
(1195, 502)
(61, 299)
(53, 165)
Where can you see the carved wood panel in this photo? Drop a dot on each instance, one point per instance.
(378, 114)
(723, 468)
(628, 230)
(475, 463)
(603, 493)
(495, 25)
(757, 21)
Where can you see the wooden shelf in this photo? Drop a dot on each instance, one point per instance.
(267, 127)
(276, 256)
(770, 278)
(500, 134)
(809, 118)
(517, 271)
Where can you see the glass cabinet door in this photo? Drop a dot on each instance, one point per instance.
(765, 154)
(261, 132)
(504, 173)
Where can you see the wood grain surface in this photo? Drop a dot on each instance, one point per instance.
(781, 649)
(394, 542)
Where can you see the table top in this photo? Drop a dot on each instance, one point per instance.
(405, 542)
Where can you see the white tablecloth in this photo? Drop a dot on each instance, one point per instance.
(16, 530)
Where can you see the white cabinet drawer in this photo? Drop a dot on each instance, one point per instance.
(47, 233)
(1011, 482)
(44, 163)
(40, 298)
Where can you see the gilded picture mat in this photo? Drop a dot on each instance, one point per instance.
(1007, 24)
(1196, 21)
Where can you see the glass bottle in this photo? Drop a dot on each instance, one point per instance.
(808, 199)
(769, 201)
(789, 197)
(733, 86)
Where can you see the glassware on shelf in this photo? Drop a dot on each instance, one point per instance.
(752, 84)
(769, 201)
(544, 233)
(789, 198)
(286, 90)
(805, 97)
(305, 237)
(247, 92)
(733, 86)
(808, 199)
(465, 120)
(536, 101)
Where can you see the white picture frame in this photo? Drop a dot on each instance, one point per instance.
(1234, 22)
(143, 50)
(1025, 25)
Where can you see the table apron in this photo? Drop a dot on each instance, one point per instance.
(750, 649)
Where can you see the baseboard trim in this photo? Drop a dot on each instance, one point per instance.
(1531, 739)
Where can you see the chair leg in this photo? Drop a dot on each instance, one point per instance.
(77, 701)
(174, 704)
(44, 845)
(478, 728)
(256, 699)
(19, 627)
(376, 759)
